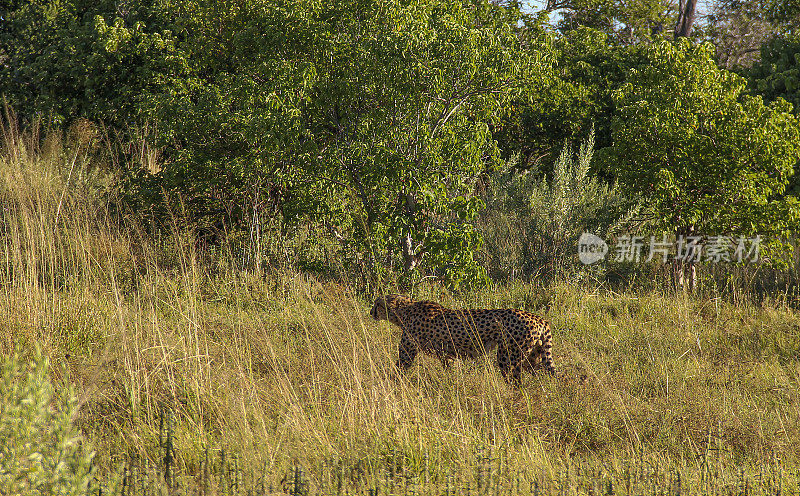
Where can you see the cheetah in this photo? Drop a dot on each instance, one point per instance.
(522, 339)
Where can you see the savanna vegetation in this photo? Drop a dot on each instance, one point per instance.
(199, 201)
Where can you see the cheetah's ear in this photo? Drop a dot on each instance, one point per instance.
(392, 298)
(398, 300)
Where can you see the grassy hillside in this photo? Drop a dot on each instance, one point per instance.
(284, 371)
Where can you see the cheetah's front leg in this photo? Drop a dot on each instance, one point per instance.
(509, 365)
(408, 351)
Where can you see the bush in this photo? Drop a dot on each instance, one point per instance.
(41, 451)
(531, 225)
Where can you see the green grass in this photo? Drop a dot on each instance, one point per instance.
(282, 370)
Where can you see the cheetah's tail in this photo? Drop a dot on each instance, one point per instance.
(547, 352)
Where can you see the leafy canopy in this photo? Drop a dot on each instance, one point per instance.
(96, 59)
(402, 120)
(705, 154)
(777, 74)
(368, 119)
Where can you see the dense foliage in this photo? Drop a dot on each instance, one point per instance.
(777, 74)
(709, 158)
(76, 58)
(361, 131)
(533, 220)
(578, 96)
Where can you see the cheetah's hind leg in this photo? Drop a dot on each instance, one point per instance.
(546, 352)
(533, 362)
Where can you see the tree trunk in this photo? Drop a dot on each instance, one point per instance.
(680, 266)
(677, 275)
(407, 242)
(686, 18)
(409, 257)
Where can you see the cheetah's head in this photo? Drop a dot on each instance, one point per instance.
(385, 307)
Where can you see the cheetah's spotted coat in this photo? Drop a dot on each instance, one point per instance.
(523, 340)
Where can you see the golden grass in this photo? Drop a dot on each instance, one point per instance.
(285, 370)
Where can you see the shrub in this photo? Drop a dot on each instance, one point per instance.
(41, 451)
(531, 225)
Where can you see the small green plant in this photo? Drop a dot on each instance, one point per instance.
(41, 451)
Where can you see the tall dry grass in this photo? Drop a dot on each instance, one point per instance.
(284, 370)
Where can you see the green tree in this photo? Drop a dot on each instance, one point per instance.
(587, 68)
(777, 74)
(371, 120)
(231, 126)
(64, 59)
(403, 118)
(626, 23)
(709, 158)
